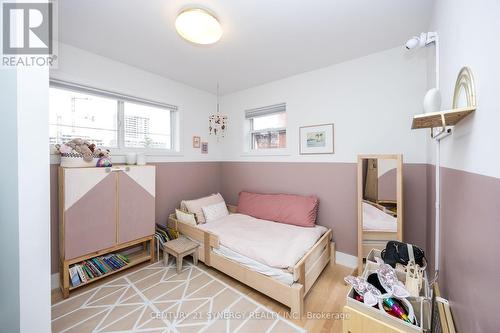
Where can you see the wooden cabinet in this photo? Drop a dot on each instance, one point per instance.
(136, 203)
(103, 210)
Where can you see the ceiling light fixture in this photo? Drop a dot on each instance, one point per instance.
(199, 26)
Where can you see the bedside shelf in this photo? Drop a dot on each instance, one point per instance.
(441, 118)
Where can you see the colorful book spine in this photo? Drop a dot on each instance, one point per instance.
(118, 261)
(73, 274)
(82, 276)
(124, 258)
(112, 264)
(99, 266)
(105, 264)
(94, 270)
(87, 271)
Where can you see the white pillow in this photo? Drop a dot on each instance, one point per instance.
(185, 217)
(215, 212)
(195, 206)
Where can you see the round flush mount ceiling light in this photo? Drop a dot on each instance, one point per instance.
(197, 25)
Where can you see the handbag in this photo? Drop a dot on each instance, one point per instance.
(401, 253)
(414, 278)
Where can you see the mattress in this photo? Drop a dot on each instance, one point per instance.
(275, 273)
(375, 219)
(276, 245)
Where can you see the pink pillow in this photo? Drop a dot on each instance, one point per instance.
(285, 208)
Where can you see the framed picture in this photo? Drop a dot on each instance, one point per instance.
(204, 147)
(196, 141)
(316, 139)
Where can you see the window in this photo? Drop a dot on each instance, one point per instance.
(147, 126)
(109, 120)
(267, 127)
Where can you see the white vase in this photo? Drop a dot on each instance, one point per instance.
(141, 159)
(131, 158)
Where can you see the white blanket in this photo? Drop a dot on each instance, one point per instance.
(375, 219)
(274, 244)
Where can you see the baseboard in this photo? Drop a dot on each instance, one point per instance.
(54, 281)
(345, 259)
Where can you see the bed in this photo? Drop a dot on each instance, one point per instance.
(379, 226)
(284, 270)
(377, 218)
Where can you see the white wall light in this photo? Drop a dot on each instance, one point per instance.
(198, 26)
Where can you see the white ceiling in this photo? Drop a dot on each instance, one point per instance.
(263, 40)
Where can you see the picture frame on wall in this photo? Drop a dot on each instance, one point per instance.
(316, 139)
(204, 147)
(196, 141)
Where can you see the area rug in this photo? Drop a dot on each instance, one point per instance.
(156, 299)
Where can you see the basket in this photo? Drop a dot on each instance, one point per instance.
(74, 160)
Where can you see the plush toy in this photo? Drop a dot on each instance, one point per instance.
(83, 147)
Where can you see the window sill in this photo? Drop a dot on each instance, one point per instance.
(266, 152)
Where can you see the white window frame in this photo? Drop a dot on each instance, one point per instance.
(121, 99)
(251, 114)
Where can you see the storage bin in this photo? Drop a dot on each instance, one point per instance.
(76, 161)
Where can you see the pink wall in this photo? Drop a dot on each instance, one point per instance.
(470, 229)
(174, 182)
(335, 185)
(387, 189)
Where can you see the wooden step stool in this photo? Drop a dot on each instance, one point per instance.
(180, 248)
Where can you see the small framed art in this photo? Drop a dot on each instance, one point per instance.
(316, 139)
(204, 147)
(196, 141)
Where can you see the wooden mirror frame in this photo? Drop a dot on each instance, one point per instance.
(399, 200)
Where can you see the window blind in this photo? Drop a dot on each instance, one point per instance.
(265, 110)
(106, 93)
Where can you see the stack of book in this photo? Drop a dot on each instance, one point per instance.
(163, 233)
(95, 267)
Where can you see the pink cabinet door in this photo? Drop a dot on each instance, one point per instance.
(136, 203)
(89, 211)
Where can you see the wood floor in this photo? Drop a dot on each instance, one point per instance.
(323, 304)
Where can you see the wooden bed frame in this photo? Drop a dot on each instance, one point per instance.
(307, 269)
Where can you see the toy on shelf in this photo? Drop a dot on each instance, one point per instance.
(81, 153)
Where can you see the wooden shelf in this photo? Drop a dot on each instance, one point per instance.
(134, 259)
(435, 119)
(146, 253)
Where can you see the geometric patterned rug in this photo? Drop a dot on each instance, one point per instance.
(156, 299)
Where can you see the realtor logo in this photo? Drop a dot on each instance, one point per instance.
(27, 28)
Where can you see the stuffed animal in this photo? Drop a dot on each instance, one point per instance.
(83, 147)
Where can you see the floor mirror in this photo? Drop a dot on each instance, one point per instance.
(380, 202)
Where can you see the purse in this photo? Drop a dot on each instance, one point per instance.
(414, 278)
(399, 253)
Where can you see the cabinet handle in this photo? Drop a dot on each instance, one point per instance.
(116, 169)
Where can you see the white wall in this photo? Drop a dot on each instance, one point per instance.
(9, 217)
(79, 66)
(371, 101)
(33, 206)
(24, 201)
(469, 33)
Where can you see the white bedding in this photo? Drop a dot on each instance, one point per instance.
(277, 245)
(375, 219)
(276, 273)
